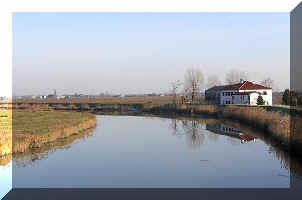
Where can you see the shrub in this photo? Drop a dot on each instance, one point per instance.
(260, 100)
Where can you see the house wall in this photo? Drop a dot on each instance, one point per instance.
(212, 97)
(268, 98)
(224, 99)
(243, 99)
(240, 99)
(217, 97)
(253, 98)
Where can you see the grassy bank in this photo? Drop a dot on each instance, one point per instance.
(35, 128)
(5, 132)
(282, 126)
(35, 154)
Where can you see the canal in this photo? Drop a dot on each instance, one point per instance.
(155, 152)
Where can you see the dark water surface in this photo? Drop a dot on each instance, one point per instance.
(153, 152)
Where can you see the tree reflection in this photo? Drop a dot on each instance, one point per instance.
(191, 129)
(175, 126)
(194, 136)
(287, 161)
(196, 130)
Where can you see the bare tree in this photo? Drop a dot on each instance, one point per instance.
(175, 86)
(234, 76)
(213, 80)
(268, 82)
(193, 83)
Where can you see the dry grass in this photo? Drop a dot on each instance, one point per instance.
(31, 155)
(5, 131)
(33, 128)
(296, 133)
(103, 100)
(275, 123)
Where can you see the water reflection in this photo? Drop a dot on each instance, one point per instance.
(194, 130)
(141, 152)
(31, 157)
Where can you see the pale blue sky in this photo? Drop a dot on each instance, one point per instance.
(143, 52)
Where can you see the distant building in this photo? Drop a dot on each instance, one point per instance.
(245, 92)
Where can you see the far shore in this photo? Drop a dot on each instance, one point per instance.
(279, 122)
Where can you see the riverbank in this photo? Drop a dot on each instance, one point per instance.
(34, 128)
(284, 127)
(282, 124)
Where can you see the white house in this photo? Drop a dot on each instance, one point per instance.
(245, 92)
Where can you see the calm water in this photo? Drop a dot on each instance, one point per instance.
(129, 151)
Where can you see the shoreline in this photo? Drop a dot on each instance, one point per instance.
(32, 139)
(282, 127)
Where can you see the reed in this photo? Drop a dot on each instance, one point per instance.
(31, 128)
(5, 132)
(278, 125)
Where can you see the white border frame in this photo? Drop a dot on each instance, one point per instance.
(9, 6)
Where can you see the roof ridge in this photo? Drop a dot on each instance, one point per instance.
(242, 84)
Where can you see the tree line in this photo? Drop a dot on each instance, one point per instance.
(292, 98)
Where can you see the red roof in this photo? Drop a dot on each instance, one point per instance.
(246, 85)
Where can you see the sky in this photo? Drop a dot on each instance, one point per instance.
(123, 53)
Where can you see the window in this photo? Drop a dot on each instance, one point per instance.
(227, 102)
(264, 93)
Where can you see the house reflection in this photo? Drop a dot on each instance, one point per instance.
(222, 129)
(195, 131)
